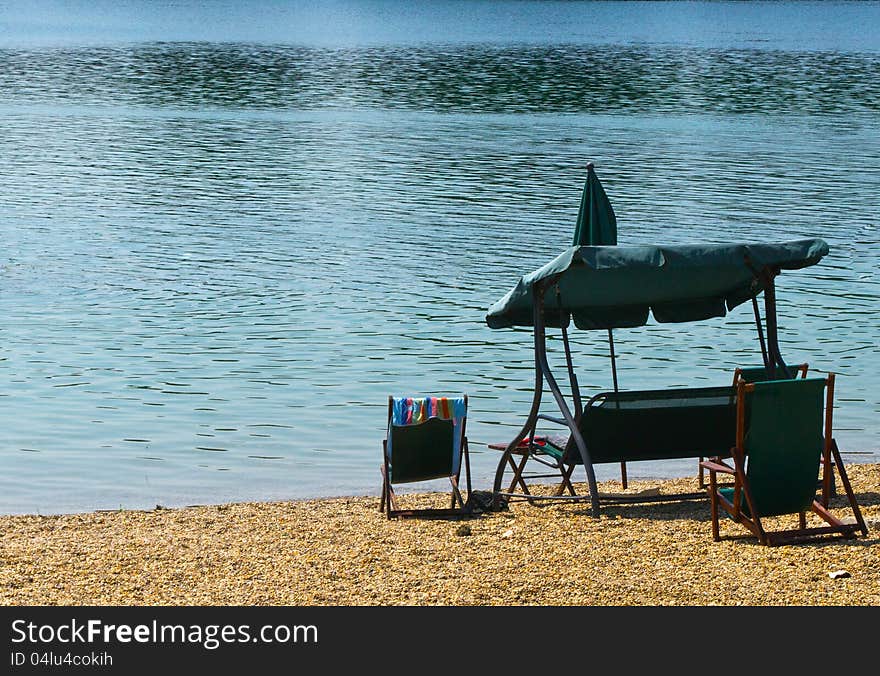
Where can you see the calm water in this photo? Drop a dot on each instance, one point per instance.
(228, 236)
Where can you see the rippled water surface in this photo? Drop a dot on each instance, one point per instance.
(226, 239)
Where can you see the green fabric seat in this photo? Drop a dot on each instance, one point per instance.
(425, 441)
(757, 374)
(422, 451)
(554, 446)
(728, 495)
(753, 374)
(783, 443)
(657, 425)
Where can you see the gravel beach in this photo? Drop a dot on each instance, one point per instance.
(342, 551)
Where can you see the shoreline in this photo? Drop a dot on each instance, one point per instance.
(404, 490)
(343, 551)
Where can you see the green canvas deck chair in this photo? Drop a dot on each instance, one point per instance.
(783, 432)
(755, 374)
(759, 374)
(425, 440)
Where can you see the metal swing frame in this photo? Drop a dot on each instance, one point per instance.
(763, 280)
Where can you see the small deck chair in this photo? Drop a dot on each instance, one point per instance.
(546, 450)
(425, 440)
(780, 443)
(756, 374)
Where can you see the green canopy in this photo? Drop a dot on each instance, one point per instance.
(605, 287)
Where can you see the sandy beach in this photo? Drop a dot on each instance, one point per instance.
(342, 551)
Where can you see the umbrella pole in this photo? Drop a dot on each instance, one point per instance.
(572, 376)
(764, 354)
(623, 480)
(613, 359)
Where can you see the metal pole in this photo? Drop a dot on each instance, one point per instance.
(623, 479)
(772, 332)
(541, 355)
(572, 376)
(531, 420)
(764, 354)
(613, 359)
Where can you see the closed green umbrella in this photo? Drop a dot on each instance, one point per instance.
(596, 223)
(596, 226)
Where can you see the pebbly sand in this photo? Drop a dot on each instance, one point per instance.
(344, 552)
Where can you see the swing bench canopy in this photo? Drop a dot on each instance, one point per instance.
(610, 287)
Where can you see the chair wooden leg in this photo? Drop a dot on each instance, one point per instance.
(390, 499)
(829, 486)
(467, 469)
(802, 520)
(567, 471)
(754, 524)
(456, 493)
(383, 468)
(762, 535)
(713, 495)
(827, 516)
(517, 474)
(847, 487)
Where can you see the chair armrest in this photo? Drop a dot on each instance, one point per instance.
(558, 421)
(713, 466)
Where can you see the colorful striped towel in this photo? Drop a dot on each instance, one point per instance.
(414, 410)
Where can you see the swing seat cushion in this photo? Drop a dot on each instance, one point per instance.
(657, 425)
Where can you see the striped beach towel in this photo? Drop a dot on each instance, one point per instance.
(414, 410)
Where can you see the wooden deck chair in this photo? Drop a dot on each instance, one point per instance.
(425, 440)
(758, 374)
(755, 374)
(780, 443)
(546, 450)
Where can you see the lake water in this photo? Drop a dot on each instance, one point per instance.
(230, 230)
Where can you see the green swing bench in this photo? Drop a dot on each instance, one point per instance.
(618, 287)
(636, 425)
